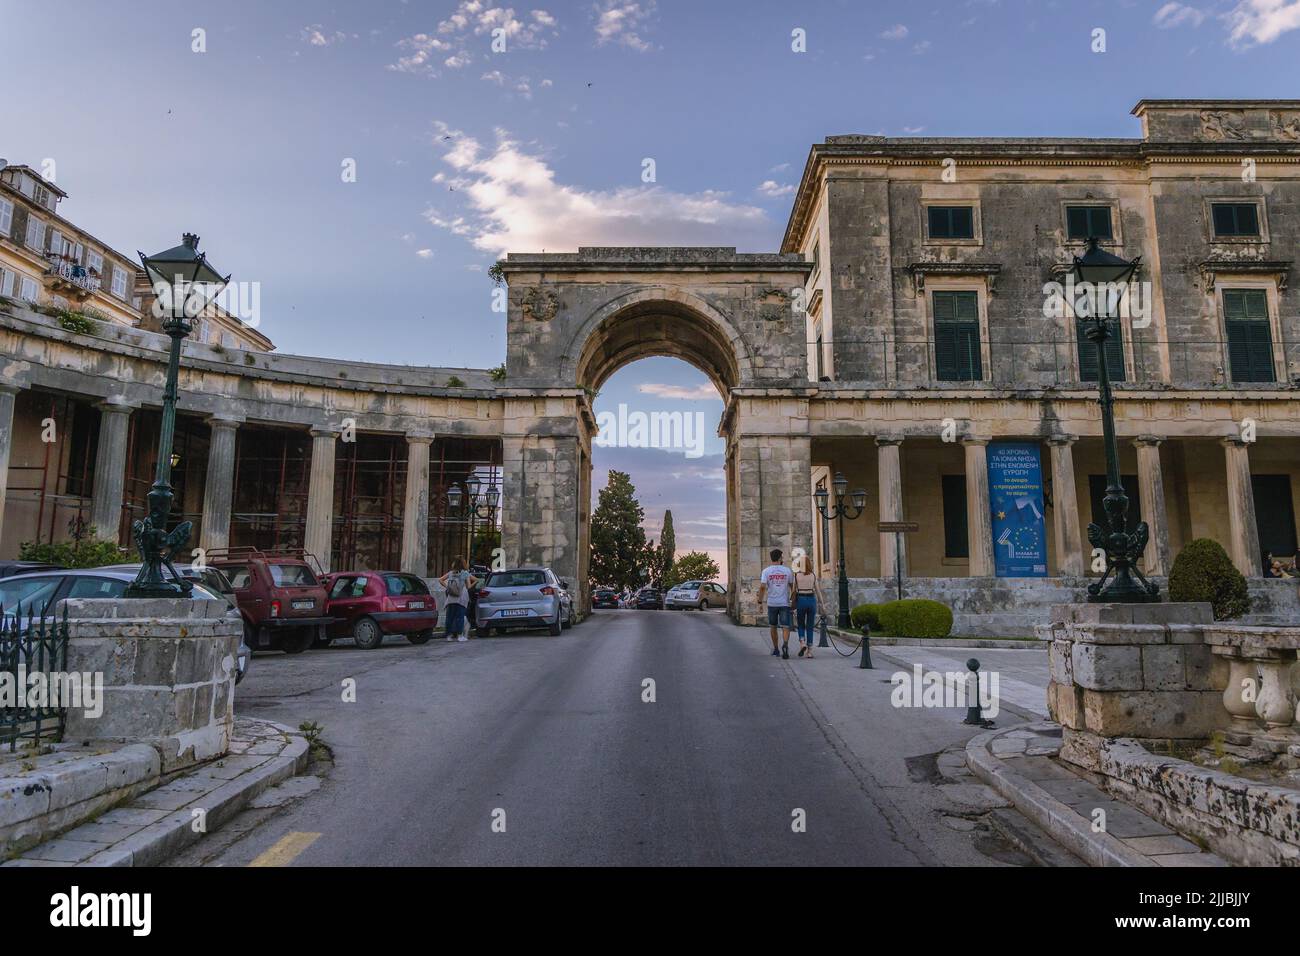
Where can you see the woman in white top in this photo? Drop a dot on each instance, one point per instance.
(807, 601)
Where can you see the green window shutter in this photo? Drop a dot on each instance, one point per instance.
(1250, 341)
(1085, 222)
(1088, 352)
(1235, 218)
(955, 541)
(951, 222)
(957, 337)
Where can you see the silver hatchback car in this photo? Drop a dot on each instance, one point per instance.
(523, 598)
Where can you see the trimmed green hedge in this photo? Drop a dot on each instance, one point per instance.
(910, 617)
(1204, 572)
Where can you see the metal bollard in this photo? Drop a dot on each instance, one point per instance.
(974, 716)
(865, 663)
(822, 641)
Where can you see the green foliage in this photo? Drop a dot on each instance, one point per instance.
(910, 617)
(618, 541)
(496, 272)
(77, 322)
(498, 374)
(916, 617)
(455, 382)
(868, 614)
(691, 566)
(485, 543)
(1204, 572)
(88, 552)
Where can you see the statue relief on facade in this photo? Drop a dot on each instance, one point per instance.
(1285, 125)
(1219, 125)
(540, 304)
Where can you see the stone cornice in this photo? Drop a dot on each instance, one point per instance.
(638, 259)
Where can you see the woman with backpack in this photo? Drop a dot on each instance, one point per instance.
(457, 583)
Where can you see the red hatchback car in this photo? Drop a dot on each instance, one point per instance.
(366, 605)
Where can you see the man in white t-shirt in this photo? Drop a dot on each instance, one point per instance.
(774, 587)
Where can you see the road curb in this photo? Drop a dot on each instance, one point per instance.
(948, 642)
(1049, 814)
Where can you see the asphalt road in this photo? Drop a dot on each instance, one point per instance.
(531, 750)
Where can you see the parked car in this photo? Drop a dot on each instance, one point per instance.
(523, 598)
(367, 605)
(9, 568)
(700, 595)
(279, 594)
(649, 598)
(604, 597)
(40, 593)
(481, 573)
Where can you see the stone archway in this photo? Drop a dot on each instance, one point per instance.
(575, 319)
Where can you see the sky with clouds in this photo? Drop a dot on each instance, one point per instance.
(463, 151)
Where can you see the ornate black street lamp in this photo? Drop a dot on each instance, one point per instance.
(483, 502)
(184, 284)
(838, 513)
(1107, 277)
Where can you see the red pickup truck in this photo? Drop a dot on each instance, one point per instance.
(281, 596)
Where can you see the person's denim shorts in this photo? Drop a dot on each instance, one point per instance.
(778, 616)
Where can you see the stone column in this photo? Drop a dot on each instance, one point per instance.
(110, 468)
(219, 485)
(979, 521)
(1065, 507)
(318, 538)
(890, 478)
(8, 394)
(415, 510)
(1244, 546)
(1151, 489)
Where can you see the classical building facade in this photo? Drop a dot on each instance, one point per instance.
(912, 333)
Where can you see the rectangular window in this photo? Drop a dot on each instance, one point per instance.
(1235, 219)
(119, 282)
(952, 222)
(1250, 340)
(957, 337)
(817, 258)
(6, 216)
(1088, 222)
(1097, 493)
(1275, 516)
(6, 283)
(821, 357)
(1088, 352)
(826, 529)
(956, 544)
(35, 233)
(30, 290)
(95, 261)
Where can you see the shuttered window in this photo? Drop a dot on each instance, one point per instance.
(1088, 222)
(35, 233)
(1235, 219)
(952, 222)
(1088, 352)
(957, 337)
(6, 283)
(956, 544)
(6, 216)
(1250, 341)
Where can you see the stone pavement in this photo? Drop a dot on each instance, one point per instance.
(1022, 673)
(147, 829)
(1020, 763)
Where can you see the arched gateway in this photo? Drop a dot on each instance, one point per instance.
(576, 318)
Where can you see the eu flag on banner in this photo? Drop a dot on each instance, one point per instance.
(1016, 498)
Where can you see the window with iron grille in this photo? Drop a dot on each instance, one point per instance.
(1088, 222)
(1114, 347)
(957, 337)
(1250, 340)
(952, 222)
(1235, 219)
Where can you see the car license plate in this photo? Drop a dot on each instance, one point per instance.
(415, 605)
(303, 605)
(515, 612)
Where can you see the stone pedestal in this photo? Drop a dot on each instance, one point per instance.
(1132, 670)
(168, 673)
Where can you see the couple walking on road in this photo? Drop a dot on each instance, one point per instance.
(784, 590)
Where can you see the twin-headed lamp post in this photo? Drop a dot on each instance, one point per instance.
(184, 284)
(837, 513)
(1105, 273)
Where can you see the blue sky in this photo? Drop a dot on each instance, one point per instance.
(461, 152)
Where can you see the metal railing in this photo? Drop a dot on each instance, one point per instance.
(38, 646)
(70, 270)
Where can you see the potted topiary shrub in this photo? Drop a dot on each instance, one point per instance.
(1203, 572)
(916, 617)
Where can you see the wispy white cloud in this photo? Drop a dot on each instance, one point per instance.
(1174, 14)
(317, 35)
(1253, 22)
(771, 189)
(623, 22)
(685, 393)
(529, 31)
(512, 202)
(897, 32)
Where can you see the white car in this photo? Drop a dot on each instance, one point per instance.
(700, 595)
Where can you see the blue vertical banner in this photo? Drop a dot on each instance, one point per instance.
(1016, 498)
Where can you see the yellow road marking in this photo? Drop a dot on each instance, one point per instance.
(287, 849)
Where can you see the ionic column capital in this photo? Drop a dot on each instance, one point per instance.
(883, 441)
(1142, 440)
(1062, 440)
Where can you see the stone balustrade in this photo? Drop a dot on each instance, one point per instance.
(1260, 662)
